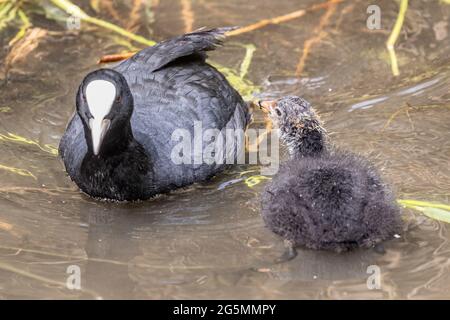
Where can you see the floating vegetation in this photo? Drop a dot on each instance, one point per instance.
(245, 87)
(5, 109)
(7, 14)
(11, 13)
(23, 29)
(432, 210)
(394, 36)
(14, 13)
(11, 137)
(22, 45)
(76, 11)
(281, 19)
(109, 58)
(188, 15)
(20, 172)
(245, 65)
(396, 113)
(5, 226)
(8, 227)
(237, 79)
(60, 10)
(254, 180)
(318, 35)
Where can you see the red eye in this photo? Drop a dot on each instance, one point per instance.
(118, 98)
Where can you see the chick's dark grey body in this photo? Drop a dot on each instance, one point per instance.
(172, 87)
(334, 202)
(323, 198)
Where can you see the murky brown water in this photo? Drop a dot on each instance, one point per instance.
(207, 241)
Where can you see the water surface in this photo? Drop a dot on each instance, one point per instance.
(206, 241)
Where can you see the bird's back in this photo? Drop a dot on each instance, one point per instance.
(178, 99)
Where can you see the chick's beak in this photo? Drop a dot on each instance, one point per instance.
(267, 106)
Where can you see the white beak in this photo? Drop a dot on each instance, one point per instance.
(99, 127)
(100, 95)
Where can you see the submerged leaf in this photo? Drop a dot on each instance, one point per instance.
(245, 65)
(23, 29)
(24, 44)
(20, 172)
(77, 12)
(254, 180)
(245, 87)
(5, 109)
(5, 226)
(5, 16)
(237, 79)
(8, 227)
(436, 211)
(11, 137)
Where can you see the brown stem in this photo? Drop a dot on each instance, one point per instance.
(319, 34)
(116, 57)
(283, 18)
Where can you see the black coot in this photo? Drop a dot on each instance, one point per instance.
(119, 143)
(323, 198)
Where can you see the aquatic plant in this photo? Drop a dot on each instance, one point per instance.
(394, 36)
(75, 11)
(15, 13)
(436, 211)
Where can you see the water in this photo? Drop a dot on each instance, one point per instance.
(206, 241)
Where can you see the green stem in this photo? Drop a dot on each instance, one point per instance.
(9, 17)
(23, 29)
(76, 11)
(119, 30)
(394, 36)
(5, 8)
(245, 65)
(416, 203)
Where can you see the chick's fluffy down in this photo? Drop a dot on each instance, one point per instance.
(334, 202)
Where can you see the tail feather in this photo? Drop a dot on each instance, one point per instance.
(194, 44)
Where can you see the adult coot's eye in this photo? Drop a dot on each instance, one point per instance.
(118, 98)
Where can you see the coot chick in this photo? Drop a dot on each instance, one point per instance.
(118, 144)
(323, 198)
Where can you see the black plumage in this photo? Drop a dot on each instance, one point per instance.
(323, 198)
(160, 89)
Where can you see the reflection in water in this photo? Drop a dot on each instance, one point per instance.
(317, 265)
(367, 104)
(109, 232)
(208, 240)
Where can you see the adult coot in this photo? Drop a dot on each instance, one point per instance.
(323, 198)
(119, 144)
